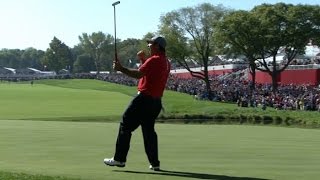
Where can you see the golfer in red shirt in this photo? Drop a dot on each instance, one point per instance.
(146, 106)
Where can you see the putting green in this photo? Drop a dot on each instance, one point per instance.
(76, 150)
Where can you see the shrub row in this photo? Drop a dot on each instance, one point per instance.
(241, 119)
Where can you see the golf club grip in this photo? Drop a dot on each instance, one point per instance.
(115, 3)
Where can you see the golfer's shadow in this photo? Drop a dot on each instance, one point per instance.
(191, 175)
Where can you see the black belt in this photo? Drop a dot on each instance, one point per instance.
(148, 96)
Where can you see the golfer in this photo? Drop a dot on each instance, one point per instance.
(146, 106)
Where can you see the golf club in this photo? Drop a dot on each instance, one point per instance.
(115, 30)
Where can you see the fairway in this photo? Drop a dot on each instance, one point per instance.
(76, 150)
(23, 101)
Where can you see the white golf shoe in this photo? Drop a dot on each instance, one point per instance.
(154, 168)
(112, 162)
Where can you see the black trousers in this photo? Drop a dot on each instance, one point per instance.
(143, 110)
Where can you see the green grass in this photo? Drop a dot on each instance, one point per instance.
(41, 101)
(93, 100)
(24, 176)
(56, 147)
(76, 149)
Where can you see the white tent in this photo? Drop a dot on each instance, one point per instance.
(10, 69)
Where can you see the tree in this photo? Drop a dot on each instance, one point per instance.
(32, 58)
(238, 33)
(178, 49)
(10, 58)
(84, 64)
(193, 27)
(99, 47)
(284, 28)
(58, 56)
(311, 15)
(127, 51)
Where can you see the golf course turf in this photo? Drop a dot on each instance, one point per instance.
(62, 129)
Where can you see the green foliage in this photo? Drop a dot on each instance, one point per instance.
(32, 58)
(128, 51)
(83, 64)
(237, 34)
(99, 47)
(286, 28)
(267, 30)
(178, 49)
(191, 30)
(15, 58)
(58, 56)
(10, 58)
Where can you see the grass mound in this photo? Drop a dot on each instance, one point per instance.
(98, 101)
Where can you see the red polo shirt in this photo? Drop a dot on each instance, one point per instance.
(156, 70)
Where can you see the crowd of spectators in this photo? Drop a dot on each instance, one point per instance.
(118, 78)
(315, 60)
(235, 89)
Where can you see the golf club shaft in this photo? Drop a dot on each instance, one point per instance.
(115, 30)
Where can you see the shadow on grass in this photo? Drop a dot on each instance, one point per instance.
(191, 175)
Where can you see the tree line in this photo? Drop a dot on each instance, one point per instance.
(192, 33)
(205, 31)
(94, 53)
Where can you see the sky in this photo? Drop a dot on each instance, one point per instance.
(34, 23)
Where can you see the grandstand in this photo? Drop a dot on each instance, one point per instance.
(305, 69)
(11, 74)
(294, 74)
(212, 70)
